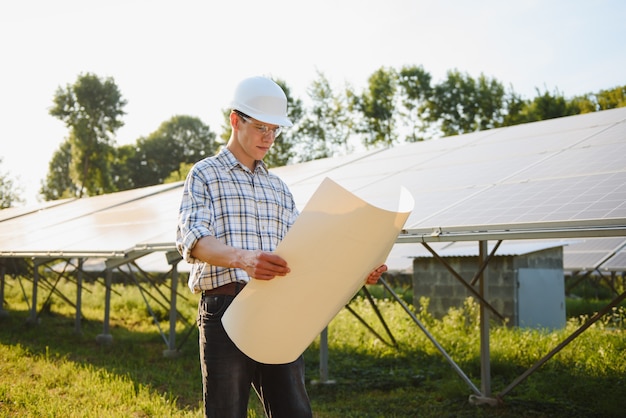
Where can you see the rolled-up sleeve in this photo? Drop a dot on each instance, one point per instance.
(195, 215)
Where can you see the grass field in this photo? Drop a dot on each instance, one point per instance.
(47, 369)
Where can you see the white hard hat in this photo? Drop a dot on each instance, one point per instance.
(261, 99)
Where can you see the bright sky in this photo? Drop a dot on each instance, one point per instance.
(185, 57)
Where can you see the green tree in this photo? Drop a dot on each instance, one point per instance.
(92, 109)
(283, 150)
(9, 191)
(180, 174)
(377, 105)
(548, 106)
(58, 183)
(125, 167)
(584, 104)
(490, 98)
(326, 127)
(603, 100)
(612, 98)
(226, 128)
(514, 109)
(415, 91)
(181, 139)
(461, 104)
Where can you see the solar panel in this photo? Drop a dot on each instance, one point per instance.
(559, 172)
(616, 263)
(552, 171)
(112, 223)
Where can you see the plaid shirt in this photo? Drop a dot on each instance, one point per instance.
(241, 208)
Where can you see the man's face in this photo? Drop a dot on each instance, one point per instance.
(253, 139)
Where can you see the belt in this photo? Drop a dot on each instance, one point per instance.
(229, 289)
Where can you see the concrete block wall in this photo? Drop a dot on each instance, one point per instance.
(432, 279)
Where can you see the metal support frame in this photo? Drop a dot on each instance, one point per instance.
(3, 272)
(106, 337)
(431, 338)
(32, 318)
(616, 301)
(111, 264)
(323, 369)
(171, 342)
(484, 395)
(170, 339)
(370, 299)
(79, 297)
(485, 357)
(468, 286)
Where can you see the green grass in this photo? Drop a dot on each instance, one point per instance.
(49, 370)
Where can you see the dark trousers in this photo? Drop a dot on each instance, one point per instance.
(227, 373)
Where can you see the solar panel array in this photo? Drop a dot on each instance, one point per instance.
(566, 169)
(557, 172)
(105, 225)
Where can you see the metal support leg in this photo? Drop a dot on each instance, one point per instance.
(323, 359)
(79, 295)
(106, 337)
(32, 319)
(3, 272)
(171, 343)
(615, 302)
(431, 338)
(485, 361)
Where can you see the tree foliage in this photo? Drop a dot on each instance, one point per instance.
(9, 191)
(182, 139)
(92, 109)
(283, 150)
(396, 106)
(377, 105)
(415, 91)
(461, 104)
(603, 100)
(548, 106)
(58, 183)
(326, 128)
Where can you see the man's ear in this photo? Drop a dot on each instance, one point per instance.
(234, 120)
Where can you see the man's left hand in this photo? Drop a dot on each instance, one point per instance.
(375, 274)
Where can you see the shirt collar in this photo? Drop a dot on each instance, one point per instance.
(230, 161)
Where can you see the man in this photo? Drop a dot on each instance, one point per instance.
(233, 214)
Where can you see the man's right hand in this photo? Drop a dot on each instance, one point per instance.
(259, 264)
(262, 265)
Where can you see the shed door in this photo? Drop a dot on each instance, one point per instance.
(541, 298)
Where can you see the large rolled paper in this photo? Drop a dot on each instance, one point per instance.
(337, 240)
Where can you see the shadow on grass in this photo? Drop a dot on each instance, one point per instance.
(404, 385)
(137, 355)
(415, 384)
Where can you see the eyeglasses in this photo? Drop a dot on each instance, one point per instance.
(262, 129)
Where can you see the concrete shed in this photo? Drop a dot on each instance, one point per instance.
(524, 282)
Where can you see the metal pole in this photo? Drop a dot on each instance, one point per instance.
(171, 344)
(106, 337)
(79, 293)
(431, 338)
(485, 364)
(324, 356)
(565, 342)
(32, 319)
(3, 272)
(461, 280)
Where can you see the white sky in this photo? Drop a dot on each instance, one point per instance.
(184, 57)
